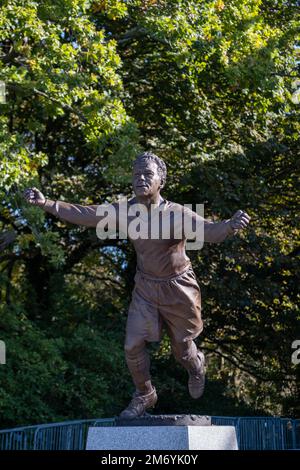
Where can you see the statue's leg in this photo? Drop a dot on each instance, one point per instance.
(138, 362)
(143, 325)
(137, 358)
(192, 359)
(185, 353)
(180, 308)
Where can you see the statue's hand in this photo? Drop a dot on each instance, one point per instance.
(34, 196)
(239, 221)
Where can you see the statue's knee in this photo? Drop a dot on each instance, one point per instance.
(132, 348)
(177, 350)
(182, 350)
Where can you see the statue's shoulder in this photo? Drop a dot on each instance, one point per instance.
(123, 201)
(174, 206)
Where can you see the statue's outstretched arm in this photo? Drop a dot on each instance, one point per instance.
(73, 213)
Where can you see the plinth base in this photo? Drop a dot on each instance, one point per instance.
(165, 420)
(154, 436)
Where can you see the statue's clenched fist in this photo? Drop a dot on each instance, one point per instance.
(239, 221)
(34, 196)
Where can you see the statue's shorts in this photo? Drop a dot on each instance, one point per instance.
(174, 302)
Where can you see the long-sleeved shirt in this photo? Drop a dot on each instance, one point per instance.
(159, 236)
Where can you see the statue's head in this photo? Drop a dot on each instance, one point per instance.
(149, 174)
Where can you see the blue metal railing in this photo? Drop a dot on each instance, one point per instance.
(263, 433)
(68, 435)
(253, 433)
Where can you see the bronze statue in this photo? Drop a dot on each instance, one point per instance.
(166, 291)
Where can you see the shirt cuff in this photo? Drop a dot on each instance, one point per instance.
(49, 206)
(230, 230)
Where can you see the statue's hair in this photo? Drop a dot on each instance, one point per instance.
(161, 166)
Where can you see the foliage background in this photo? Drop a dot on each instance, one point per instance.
(211, 87)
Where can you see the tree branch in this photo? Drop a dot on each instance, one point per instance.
(138, 33)
(99, 278)
(244, 369)
(66, 107)
(8, 283)
(81, 251)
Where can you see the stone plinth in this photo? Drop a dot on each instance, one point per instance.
(146, 433)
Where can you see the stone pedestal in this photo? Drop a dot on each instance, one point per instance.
(146, 433)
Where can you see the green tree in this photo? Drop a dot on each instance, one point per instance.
(209, 85)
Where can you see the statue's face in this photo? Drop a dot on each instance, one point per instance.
(145, 178)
